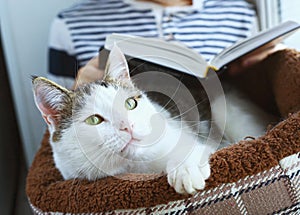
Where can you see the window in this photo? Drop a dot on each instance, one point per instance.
(289, 10)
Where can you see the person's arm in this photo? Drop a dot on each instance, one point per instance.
(62, 64)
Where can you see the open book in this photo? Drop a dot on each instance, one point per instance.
(181, 58)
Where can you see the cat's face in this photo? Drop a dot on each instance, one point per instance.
(100, 127)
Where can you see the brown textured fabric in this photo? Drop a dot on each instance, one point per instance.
(48, 192)
(275, 191)
(274, 84)
(286, 80)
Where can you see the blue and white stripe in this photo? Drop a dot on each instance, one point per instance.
(207, 30)
(218, 25)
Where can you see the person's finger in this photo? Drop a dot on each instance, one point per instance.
(259, 56)
(254, 57)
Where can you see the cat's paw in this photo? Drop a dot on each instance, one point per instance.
(187, 179)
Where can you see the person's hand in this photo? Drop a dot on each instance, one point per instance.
(254, 57)
(89, 73)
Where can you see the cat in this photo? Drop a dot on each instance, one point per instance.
(109, 127)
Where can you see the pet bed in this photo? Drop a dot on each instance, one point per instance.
(254, 176)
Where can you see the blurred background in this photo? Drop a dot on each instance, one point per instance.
(24, 34)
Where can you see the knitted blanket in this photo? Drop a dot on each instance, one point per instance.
(254, 176)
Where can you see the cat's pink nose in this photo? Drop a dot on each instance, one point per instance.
(127, 128)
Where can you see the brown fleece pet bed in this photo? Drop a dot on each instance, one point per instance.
(275, 85)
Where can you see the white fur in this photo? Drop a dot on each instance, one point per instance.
(242, 117)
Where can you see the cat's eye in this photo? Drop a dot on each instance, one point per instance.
(130, 103)
(94, 120)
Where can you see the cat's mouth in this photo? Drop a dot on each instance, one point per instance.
(131, 141)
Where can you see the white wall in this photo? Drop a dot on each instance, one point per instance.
(290, 10)
(273, 12)
(24, 28)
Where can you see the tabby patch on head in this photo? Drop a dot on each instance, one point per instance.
(110, 127)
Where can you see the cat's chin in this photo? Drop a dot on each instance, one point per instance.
(132, 141)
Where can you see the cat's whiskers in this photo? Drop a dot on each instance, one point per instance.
(168, 109)
(92, 164)
(199, 121)
(174, 94)
(194, 125)
(185, 112)
(135, 79)
(206, 136)
(108, 161)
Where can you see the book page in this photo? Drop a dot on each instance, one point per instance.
(274, 35)
(160, 52)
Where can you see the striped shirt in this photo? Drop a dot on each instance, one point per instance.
(78, 32)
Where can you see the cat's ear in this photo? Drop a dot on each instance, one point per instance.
(116, 66)
(50, 98)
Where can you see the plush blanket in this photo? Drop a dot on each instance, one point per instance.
(254, 176)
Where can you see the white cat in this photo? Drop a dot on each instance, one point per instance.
(110, 127)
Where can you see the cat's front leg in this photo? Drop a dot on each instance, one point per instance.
(189, 174)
